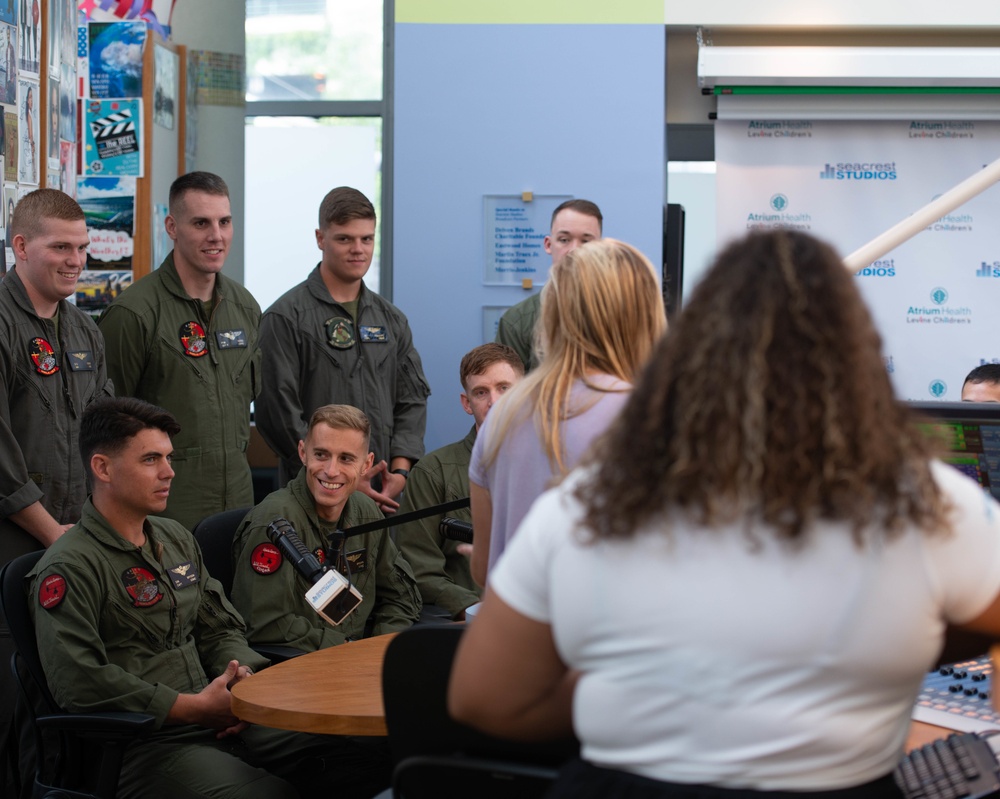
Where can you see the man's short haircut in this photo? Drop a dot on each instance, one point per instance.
(110, 423)
(585, 207)
(39, 205)
(206, 182)
(342, 417)
(343, 204)
(481, 358)
(987, 373)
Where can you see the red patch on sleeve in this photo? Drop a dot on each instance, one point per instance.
(52, 591)
(266, 559)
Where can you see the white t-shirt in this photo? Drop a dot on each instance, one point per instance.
(707, 659)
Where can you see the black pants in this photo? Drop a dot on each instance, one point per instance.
(580, 780)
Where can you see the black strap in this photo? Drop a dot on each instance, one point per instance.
(412, 516)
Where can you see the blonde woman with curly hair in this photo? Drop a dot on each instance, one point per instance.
(602, 313)
(740, 592)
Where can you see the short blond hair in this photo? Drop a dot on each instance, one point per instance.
(342, 417)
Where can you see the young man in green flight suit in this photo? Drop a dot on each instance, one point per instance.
(331, 340)
(574, 222)
(486, 373)
(185, 337)
(319, 500)
(52, 367)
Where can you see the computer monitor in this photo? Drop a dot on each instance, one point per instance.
(970, 434)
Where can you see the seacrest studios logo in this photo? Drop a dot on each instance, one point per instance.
(988, 269)
(940, 313)
(883, 268)
(859, 170)
(937, 388)
(778, 215)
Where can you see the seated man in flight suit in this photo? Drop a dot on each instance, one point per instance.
(319, 500)
(128, 619)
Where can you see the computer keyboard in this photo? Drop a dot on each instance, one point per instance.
(962, 765)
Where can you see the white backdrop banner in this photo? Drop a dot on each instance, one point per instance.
(936, 297)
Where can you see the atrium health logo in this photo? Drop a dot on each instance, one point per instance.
(939, 296)
(937, 388)
(779, 202)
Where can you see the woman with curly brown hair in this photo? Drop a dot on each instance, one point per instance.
(742, 589)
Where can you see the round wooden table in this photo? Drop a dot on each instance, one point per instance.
(335, 691)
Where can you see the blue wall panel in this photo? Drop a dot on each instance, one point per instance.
(500, 109)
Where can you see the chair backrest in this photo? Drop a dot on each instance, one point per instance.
(414, 687)
(215, 537)
(90, 747)
(14, 602)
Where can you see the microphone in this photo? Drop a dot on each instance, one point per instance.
(330, 594)
(284, 537)
(456, 530)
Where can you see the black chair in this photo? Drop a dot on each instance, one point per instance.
(89, 747)
(214, 535)
(435, 756)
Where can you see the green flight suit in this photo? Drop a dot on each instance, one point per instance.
(517, 329)
(205, 370)
(50, 371)
(269, 593)
(442, 573)
(315, 354)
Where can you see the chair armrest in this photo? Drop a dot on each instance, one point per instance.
(277, 653)
(101, 725)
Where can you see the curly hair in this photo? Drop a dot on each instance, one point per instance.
(601, 313)
(768, 401)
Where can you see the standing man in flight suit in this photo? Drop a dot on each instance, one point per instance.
(574, 222)
(51, 368)
(185, 338)
(331, 340)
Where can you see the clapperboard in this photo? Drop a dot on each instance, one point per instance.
(114, 134)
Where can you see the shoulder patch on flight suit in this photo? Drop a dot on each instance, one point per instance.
(43, 356)
(193, 339)
(373, 334)
(52, 591)
(183, 575)
(81, 361)
(142, 586)
(266, 559)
